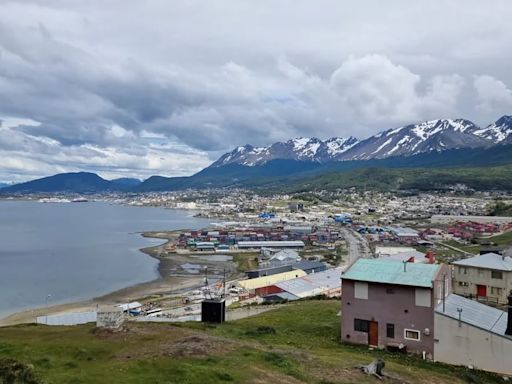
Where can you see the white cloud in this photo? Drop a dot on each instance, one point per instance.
(203, 77)
(493, 94)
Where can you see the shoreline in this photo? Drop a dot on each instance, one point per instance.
(161, 285)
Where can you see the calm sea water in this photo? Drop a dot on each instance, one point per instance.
(76, 251)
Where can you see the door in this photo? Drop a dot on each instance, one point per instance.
(481, 290)
(373, 334)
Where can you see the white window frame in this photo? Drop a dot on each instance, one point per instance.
(412, 330)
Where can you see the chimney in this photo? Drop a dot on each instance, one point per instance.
(431, 256)
(509, 321)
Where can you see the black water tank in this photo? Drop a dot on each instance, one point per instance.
(213, 311)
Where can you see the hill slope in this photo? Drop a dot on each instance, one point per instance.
(297, 343)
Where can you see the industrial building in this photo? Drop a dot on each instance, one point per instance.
(255, 285)
(296, 244)
(448, 219)
(326, 283)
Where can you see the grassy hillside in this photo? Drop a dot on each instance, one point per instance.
(298, 343)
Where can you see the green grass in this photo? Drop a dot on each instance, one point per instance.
(294, 344)
(503, 239)
(246, 261)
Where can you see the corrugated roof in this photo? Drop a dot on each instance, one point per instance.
(308, 264)
(489, 261)
(392, 272)
(265, 281)
(475, 313)
(257, 244)
(313, 284)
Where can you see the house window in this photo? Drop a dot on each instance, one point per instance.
(496, 291)
(497, 275)
(361, 290)
(390, 331)
(411, 334)
(481, 273)
(361, 325)
(463, 271)
(463, 284)
(423, 297)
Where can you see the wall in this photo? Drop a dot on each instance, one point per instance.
(111, 320)
(469, 345)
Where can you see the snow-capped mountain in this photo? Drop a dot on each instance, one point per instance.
(499, 131)
(302, 149)
(434, 135)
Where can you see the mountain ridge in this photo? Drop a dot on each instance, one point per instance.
(433, 135)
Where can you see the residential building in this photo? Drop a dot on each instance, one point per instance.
(390, 304)
(486, 277)
(474, 335)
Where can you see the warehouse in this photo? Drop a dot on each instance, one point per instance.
(258, 285)
(326, 283)
(447, 219)
(271, 244)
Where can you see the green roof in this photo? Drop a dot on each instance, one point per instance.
(392, 272)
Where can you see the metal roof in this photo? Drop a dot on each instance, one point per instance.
(392, 272)
(475, 313)
(68, 318)
(265, 281)
(258, 244)
(128, 306)
(308, 264)
(489, 261)
(313, 284)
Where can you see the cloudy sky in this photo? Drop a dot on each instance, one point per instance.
(135, 88)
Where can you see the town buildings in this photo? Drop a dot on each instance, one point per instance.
(485, 277)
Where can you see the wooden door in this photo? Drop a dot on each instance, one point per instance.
(373, 334)
(481, 290)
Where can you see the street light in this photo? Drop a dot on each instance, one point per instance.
(48, 297)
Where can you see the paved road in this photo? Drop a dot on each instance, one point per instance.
(357, 245)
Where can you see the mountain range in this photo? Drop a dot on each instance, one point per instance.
(435, 135)
(445, 143)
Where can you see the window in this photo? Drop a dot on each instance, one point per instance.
(497, 275)
(411, 334)
(423, 297)
(481, 273)
(390, 331)
(361, 290)
(463, 284)
(463, 271)
(361, 325)
(496, 291)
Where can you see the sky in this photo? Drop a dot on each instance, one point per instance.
(131, 88)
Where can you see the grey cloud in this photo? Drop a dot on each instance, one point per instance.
(206, 77)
